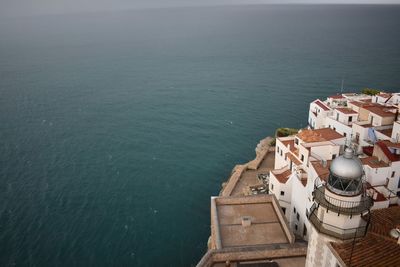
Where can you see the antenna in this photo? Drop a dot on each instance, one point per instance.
(341, 87)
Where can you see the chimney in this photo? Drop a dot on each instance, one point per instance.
(246, 221)
(324, 163)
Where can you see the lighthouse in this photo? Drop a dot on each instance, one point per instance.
(340, 211)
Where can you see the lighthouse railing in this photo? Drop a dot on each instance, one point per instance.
(341, 206)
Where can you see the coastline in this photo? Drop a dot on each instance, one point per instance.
(245, 175)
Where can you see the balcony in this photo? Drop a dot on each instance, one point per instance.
(343, 234)
(340, 206)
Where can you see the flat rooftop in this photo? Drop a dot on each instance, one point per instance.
(267, 222)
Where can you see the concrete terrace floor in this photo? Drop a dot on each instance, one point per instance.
(249, 177)
(265, 228)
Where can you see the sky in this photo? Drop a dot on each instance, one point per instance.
(16, 8)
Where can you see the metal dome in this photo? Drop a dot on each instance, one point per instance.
(347, 166)
(345, 175)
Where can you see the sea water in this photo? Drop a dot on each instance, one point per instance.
(117, 127)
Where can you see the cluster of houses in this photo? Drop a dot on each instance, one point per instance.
(369, 127)
(333, 193)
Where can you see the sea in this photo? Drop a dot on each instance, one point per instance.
(117, 127)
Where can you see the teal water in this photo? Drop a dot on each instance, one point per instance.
(116, 128)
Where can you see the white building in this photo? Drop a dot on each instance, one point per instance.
(340, 209)
(292, 180)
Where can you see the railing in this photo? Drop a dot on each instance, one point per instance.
(341, 206)
(343, 234)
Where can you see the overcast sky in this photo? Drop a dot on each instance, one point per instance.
(12, 8)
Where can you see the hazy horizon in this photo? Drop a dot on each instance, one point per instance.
(22, 8)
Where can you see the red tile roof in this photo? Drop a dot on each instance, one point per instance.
(377, 248)
(322, 172)
(380, 110)
(346, 111)
(373, 162)
(293, 158)
(282, 177)
(383, 145)
(336, 97)
(357, 103)
(387, 132)
(322, 105)
(319, 135)
(286, 143)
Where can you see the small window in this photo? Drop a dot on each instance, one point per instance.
(304, 230)
(284, 210)
(393, 173)
(296, 141)
(333, 156)
(344, 134)
(277, 149)
(281, 153)
(294, 209)
(302, 158)
(285, 157)
(272, 186)
(350, 119)
(298, 216)
(282, 193)
(296, 227)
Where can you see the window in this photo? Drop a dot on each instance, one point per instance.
(282, 193)
(281, 153)
(304, 230)
(296, 141)
(285, 157)
(344, 134)
(277, 149)
(393, 173)
(284, 210)
(272, 186)
(294, 209)
(298, 216)
(302, 158)
(350, 119)
(333, 156)
(296, 227)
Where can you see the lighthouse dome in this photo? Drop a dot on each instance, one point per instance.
(345, 175)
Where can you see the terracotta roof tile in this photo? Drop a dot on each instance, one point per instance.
(322, 105)
(319, 135)
(387, 132)
(286, 143)
(373, 162)
(346, 111)
(322, 172)
(381, 111)
(377, 248)
(293, 158)
(336, 97)
(383, 145)
(357, 103)
(282, 177)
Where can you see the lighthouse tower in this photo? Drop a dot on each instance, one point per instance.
(340, 210)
